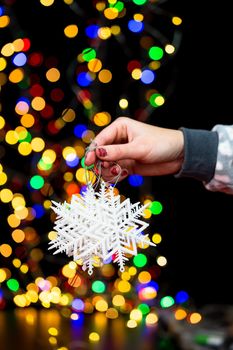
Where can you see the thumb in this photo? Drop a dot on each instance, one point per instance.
(117, 152)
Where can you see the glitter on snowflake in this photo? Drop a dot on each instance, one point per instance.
(99, 224)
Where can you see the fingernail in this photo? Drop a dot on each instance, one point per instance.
(124, 172)
(102, 152)
(115, 171)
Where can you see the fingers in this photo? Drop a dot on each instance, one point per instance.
(116, 132)
(113, 172)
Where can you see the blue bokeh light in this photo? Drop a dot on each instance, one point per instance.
(135, 180)
(135, 26)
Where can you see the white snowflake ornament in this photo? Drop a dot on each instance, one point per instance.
(99, 224)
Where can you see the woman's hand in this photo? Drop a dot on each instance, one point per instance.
(128, 146)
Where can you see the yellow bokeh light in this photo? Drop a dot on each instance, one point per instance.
(3, 63)
(68, 176)
(49, 156)
(118, 300)
(16, 75)
(94, 65)
(124, 286)
(131, 324)
(18, 45)
(101, 305)
(24, 148)
(3, 275)
(53, 331)
(47, 2)
(69, 153)
(136, 74)
(105, 76)
(5, 250)
(180, 314)
(115, 30)
(136, 315)
(21, 213)
(37, 144)
(38, 103)
(11, 137)
(18, 201)
(132, 271)
(71, 31)
(159, 100)
(138, 17)
(169, 49)
(112, 313)
(100, 5)
(88, 136)
(156, 238)
(94, 337)
(144, 277)
(123, 103)
(161, 261)
(111, 13)
(176, 20)
(151, 319)
(4, 21)
(6, 195)
(27, 120)
(13, 221)
(16, 262)
(195, 317)
(68, 272)
(104, 33)
(102, 118)
(68, 115)
(154, 65)
(18, 236)
(7, 50)
(2, 122)
(24, 268)
(20, 300)
(68, 2)
(3, 178)
(53, 75)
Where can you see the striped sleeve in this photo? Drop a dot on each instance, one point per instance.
(222, 180)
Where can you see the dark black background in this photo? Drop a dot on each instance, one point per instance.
(196, 224)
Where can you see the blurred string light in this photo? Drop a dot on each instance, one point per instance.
(47, 161)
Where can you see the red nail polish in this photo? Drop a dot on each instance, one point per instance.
(115, 171)
(102, 152)
(124, 172)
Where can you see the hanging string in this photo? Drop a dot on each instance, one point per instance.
(97, 170)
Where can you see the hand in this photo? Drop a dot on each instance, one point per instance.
(128, 146)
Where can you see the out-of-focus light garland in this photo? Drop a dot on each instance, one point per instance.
(43, 137)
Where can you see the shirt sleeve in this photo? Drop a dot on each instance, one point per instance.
(200, 154)
(223, 175)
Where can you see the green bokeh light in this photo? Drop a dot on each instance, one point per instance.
(155, 53)
(88, 54)
(153, 99)
(140, 260)
(167, 301)
(98, 287)
(156, 207)
(140, 2)
(37, 182)
(144, 308)
(119, 6)
(13, 284)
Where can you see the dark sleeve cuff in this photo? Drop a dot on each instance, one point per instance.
(200, 154)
